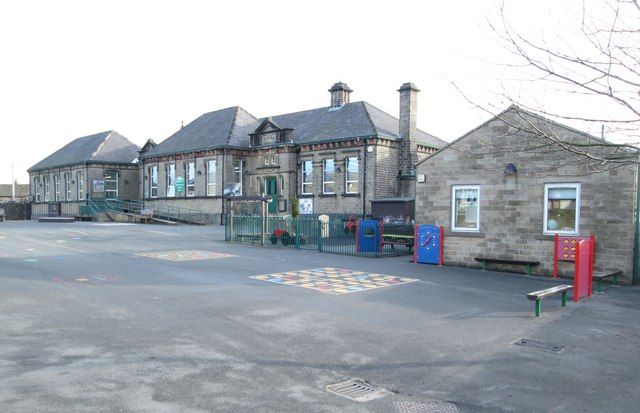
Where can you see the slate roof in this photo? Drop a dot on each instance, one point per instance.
(231, 127)
(225, 127)
(103, 147)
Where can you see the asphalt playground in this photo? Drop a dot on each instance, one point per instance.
(149, 318)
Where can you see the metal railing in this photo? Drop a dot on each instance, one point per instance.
(160, 211)
(337, 236)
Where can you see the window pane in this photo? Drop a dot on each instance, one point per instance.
(351, 177)
(171, 180)
(562, 193)
(237, 170)
(307, 177)
(466, 208)
(211, 177)
(191, 179)
(328, 170)
(561, 209)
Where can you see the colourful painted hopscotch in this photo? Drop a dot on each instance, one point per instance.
(188, 255)
(334, 280)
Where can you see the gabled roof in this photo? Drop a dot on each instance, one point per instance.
(357, 119)
(514, 109)
(231, 127)
(103, 147)
(220, 128)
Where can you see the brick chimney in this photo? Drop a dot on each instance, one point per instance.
(339, 94)
(408, 128)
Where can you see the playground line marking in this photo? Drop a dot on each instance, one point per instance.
(187, 255)
(334, 281)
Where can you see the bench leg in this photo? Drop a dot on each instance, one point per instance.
(599, 286)
(538, 308)
(484, 265)
(615, 281)
(564, 298)
(528, 269)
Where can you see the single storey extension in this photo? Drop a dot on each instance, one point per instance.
(503, 190)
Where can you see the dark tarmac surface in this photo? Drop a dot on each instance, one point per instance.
(87, 325)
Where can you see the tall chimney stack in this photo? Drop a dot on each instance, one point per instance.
(339, 94)
(408, 127)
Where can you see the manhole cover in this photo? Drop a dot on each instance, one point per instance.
(427, 406)
(541, 345)
(358, 390)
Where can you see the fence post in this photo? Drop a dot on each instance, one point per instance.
(297, 235)
(319, 234)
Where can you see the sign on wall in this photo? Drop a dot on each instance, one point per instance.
(98, 186)
(305, 206)
(180, 184)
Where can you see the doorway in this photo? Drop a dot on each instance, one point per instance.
(271, 185)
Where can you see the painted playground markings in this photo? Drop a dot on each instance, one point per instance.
(334, 280)
(88, 279)
(187, 255)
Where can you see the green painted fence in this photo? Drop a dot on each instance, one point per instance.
(337, 236)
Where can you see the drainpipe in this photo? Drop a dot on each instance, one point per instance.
(224, 166)
(364, 179)
(636, 235)
(143, 182)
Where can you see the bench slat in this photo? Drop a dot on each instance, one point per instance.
(537, 295)
(602, 276)
(503, 261)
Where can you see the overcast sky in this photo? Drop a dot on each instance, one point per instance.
(74, 68)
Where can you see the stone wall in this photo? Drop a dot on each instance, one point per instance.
(339, 202)
(512, 207)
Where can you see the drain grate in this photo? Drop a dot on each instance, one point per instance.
(541, 345)
(358, 390)
(427, 406)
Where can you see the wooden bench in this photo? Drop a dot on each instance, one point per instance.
(602, 276)
(529, 264)
(252, 237)
(539, 295)
(393, 240)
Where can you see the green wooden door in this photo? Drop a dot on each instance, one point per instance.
(272, 190)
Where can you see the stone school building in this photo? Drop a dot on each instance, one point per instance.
(502, 191)
(101, 166)
(335, 159)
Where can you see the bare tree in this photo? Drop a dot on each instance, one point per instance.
(599, 62)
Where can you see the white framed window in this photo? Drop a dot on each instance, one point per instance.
(237, 172)
(352, 169)
(328, 175)
(153, 181)
(36, 184)
(266, 161)
(47, 191)
(273, 160)
(561, 209)
(56, 187)
(282, 185)
(465, 208)
(191, 178)
(211, 177)
(80, 184)
(307, 177)
(171, 180)
(67, 186)
(111, 190)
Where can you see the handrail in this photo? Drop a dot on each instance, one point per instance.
(169, 212)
